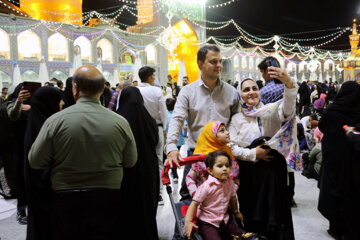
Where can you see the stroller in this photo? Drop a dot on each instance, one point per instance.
(180, 208)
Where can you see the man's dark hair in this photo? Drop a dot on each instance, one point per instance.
(89, 86)
(107, 84)
(117, 84)
(201, 54)
(4, 88)
(314, 116)
(211, 157)
(145, 72)
(186, 77)
(170, 104)
(263, 66)
(260, 84)
(59, 83)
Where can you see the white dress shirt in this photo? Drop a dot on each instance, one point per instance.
(154, 102)
(200, 105)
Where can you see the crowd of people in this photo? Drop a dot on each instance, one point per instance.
(85, 161)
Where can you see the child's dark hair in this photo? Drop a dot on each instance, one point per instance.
(211, 157)
(170, 104)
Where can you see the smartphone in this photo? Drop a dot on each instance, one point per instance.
(273, 63)
(31, 87)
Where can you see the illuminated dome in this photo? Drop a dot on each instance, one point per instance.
(67, 11)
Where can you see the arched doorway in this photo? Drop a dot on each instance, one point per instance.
(29, 46)
(30, 76)
(59, 75)
(357, 78)
(57, 47)
(187, 50)
(5, 79)
(107, 50)
(85, 48)
(5, 45)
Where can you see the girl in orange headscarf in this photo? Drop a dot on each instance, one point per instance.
(214, 136)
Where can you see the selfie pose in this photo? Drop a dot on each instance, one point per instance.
(266, 180)
(274, 88)
(18, 112)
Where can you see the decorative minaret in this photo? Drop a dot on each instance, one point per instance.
(354, 38)
(66, 11)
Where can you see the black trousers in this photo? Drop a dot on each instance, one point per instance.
(184, 192)
(291, 187)
(90, 215)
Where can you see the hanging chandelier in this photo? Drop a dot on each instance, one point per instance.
(168, 38)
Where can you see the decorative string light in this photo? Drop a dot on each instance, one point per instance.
(314, 39)
(137, 27)
(18, 26)
(221, 4)
(148, 34)
(22, 30)
(15, 10)
(142, 3)
(209, 28)
(304, 52)
(148, 16)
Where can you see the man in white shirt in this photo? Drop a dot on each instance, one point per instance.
(155, 104)
(207, 99)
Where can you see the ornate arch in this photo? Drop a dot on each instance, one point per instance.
(5, 45)
(29, 46)
(107, 50)
(58, 48)
(85, 48)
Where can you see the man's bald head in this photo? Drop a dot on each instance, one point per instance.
(89, 80)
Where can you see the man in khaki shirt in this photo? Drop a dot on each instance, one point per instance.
(86, 147)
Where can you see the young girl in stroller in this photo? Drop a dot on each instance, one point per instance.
(214, 136)
(214, 197)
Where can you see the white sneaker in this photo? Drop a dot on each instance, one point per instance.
(161, 201)
(175, 180)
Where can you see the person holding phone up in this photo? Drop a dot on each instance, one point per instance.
(274, 89)
(17, 109)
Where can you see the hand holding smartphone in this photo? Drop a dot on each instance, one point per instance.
(273, 63)
(31, 87)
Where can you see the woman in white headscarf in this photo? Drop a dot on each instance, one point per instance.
(266, 211)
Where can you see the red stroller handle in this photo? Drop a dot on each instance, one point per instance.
(186, 161)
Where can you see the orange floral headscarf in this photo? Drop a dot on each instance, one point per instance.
(207, 141)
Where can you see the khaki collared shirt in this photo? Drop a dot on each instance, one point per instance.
(200, 105)
(86, 146)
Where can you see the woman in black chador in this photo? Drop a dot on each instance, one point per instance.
(44, 103)
(67, 95)
(352, 216)
(140, 185)
(337, 153)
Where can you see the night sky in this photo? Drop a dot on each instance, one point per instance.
(265, 18)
